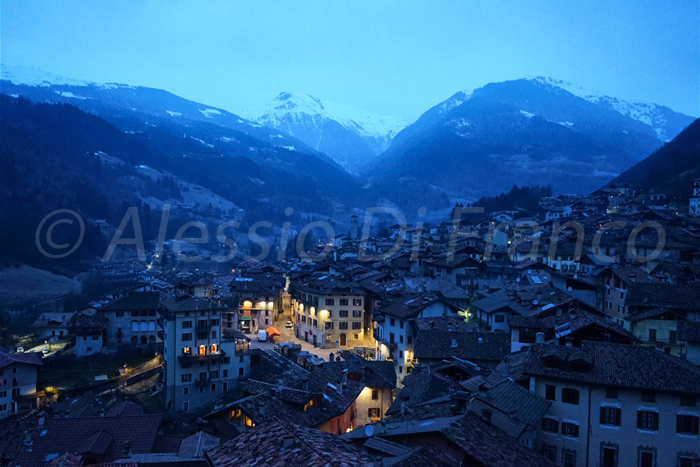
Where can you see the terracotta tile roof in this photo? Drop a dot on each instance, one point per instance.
(124, 408)
(262, 405)
(283, 393)
(689, 331)
(90, 321)
(194, 446)
(167, 443)
(264, 445)
(373, 373)
(408, 307)
(29, 358)
(511, 398)
(425, 456)
(491, 446)
(135, 301)
(620, 365)
(61, 435)
(444, 323)
(674, 296)
(472, 346)
(421, 385)
(224, 429)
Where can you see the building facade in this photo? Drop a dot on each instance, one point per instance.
(611, 407)
(18, 376)
(201, 363)
(330, 313)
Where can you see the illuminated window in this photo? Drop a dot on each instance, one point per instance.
(202, 350)
(213, 348)
(310, 405)
(186, 350)
(248, 422)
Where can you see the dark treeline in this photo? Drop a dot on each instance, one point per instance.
(523, 199)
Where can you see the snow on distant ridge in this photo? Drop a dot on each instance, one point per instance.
(648, 113)
(296, 106)
(32, 76)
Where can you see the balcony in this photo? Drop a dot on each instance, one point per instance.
(202, 381)
(242, 349)
(386, 342)
(211, 356)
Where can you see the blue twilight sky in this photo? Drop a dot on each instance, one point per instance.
(390, 57)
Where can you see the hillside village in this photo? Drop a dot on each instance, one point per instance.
(497, 341)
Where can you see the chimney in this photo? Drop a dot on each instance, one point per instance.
(288, 442)
(27, 438)
(569, 341)
(486, 416)
(42, 419)
(483, 391)
(345, 377)
(339, 388)
(196, 304)
(126, 449)
(305, 384)
(539, 338)
(331, 357)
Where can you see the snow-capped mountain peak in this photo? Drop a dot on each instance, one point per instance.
(348, 134)
(363, 122)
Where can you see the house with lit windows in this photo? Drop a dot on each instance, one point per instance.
(18, 377)
(200, 362)
(331, 313)
(259, 300)
(395, 332)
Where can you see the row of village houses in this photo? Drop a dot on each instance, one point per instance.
(480, 351)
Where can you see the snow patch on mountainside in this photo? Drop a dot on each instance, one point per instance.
(70, 94)
(210, 113)
(454, 101)
(647, 113)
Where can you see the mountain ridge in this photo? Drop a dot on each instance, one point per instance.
(349, 135)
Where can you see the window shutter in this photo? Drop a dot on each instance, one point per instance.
(618, 417)
(639, 419)
(602, 415)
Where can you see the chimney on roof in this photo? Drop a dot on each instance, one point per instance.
(486, 416)
(569, 341)
(339, 388)
(483, 391)
(331, 357)
(196, 304)
(288, 442)
(27, 438)
(345, 377)
(539, 338)
(42, 419)
(126, 449)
